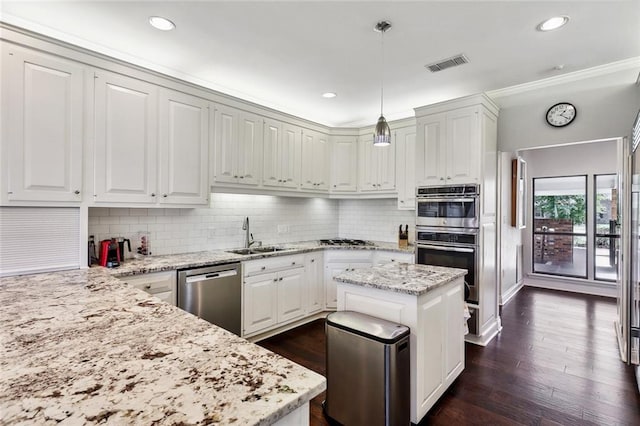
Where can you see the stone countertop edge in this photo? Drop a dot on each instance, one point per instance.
(84, 347)
(411, 279)
(172, 262)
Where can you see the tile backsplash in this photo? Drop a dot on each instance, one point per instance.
(273, 220)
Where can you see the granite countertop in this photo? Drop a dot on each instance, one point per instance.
(215, 257)
(402, 277)
(82, 347)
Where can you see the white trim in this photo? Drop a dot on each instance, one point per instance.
(638, 377)
(574, 285)
(510, 294)
(485, 338)
(599, 70)
(269, 333)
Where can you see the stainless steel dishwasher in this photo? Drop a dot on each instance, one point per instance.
(213, 293)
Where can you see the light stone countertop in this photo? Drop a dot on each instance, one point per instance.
(402, 277)
(82, 347)
(216, 257)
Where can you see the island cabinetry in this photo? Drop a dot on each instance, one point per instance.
(42, 126)
(159, 284)
(237, 155)
(436, 321)
(337, 262)
(274, 293)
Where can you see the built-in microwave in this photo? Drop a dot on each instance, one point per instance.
(451, 206)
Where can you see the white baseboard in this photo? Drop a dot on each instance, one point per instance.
(571, 284)
(286, 327)
(504, 298)
(638, 377)
(486, 337)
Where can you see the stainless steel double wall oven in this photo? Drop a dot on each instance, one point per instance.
(447, 220)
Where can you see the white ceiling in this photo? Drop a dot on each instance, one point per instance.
(285, 54)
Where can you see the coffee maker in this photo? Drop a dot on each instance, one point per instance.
(109, 253)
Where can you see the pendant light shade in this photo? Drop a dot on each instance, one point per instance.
(382, 132)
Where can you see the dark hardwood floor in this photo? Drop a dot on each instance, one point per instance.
(555, 362)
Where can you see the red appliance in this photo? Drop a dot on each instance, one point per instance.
(109, 253)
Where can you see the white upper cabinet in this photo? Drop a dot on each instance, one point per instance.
(456, 142)
(281, 167)
(315, 161)
(126, 139)
(376, 166)
(238, 146)
(344, 154)
(405, 140)
(42, 121)
(184, 148)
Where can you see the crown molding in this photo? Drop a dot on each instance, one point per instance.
(584, 74)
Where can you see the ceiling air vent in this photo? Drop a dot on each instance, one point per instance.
(443, 64)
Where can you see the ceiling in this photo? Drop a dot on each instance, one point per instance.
(284, 55)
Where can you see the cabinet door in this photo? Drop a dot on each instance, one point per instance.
(430, 330)
(290, 156)
(344, 164)
(430, 150)
(463, 146)
(321, 162)
(291, 294)
(249, 152)
(315, 283)
(271, 143)
(367, 166)
(126, 125)
(386, 167)
(454, 335)
(331, 291)
(184, 149)
(226, 144)
(406, 168)
(162, 285)
(260, 302)
(307, 175)
(43, 125)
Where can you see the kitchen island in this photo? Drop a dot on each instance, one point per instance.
(427, 299)
(84, 347)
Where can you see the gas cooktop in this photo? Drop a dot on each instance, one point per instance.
(345, 242)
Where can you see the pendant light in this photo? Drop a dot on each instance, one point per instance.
(382, 132)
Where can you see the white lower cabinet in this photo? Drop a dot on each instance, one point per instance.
(273, 292)
(385, 256)
(315, 282)
(338, 261)
(162, 285)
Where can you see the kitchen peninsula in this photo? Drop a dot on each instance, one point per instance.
(84, 347)
(427, 299)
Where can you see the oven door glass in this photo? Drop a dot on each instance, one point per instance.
(452, 257)
(464, 208)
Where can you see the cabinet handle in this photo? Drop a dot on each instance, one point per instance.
(241, 177)
(76, 192)
(275, 280)
(401, 201)
(148, 286)
(448, 177)
(334, 186)
(313, 260)
(293, 263)
(441, 178)
(235, 176)
(153, 194)
(164, 195)
(263, 268)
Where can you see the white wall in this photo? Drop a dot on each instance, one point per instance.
(374, 220)
(220, 227)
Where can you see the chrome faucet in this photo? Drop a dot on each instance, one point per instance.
(248, 240)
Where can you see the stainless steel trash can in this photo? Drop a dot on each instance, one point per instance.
(368, 364)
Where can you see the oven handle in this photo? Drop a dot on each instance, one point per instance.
(448, 200)
(448, 248)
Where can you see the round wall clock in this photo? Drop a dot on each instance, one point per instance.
(561, 114)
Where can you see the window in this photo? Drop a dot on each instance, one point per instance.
(607, 237)
(559, 226)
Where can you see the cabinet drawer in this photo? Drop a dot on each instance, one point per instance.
(263, 266)
(348, 256)
(157, 284)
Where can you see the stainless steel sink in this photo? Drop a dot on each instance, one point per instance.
(256, 250)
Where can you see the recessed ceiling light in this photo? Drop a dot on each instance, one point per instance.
(329, 95)
(161, 23)
(553, 23)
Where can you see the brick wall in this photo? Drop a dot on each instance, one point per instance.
(555, 249)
